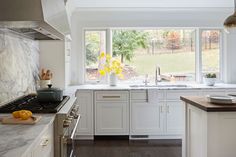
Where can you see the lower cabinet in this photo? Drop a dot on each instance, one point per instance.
(85, 102)
(111, 118)
(111, 113)
(45, 145)
(174, 117)
(160, 113)
(147, 118)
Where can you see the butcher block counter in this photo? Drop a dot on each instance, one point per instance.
(210, 129)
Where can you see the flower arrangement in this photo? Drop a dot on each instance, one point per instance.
(110, 65)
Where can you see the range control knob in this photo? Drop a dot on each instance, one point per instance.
(76, 116)
(66, 123)
(69, 118)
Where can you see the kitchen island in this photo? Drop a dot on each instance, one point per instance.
(210, 130)
(27, 140)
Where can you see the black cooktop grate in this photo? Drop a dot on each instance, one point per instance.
(30, 102)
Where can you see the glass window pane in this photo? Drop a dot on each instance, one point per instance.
(142, 50)
(211, 52)
(95, 43)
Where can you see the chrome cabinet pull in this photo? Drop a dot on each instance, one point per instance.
(168, 109)
(161, 107)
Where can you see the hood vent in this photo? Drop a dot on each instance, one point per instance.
(35, 19)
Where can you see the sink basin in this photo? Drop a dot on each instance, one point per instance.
(162, 86)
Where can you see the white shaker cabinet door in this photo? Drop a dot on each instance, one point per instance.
(174, 117)
(146, 118)
(85, 102)
(111, 118)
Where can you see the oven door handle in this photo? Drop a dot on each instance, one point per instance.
(75, 128)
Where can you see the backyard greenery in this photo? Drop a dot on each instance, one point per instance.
(142, 50)
(172, 63)
(125, 42)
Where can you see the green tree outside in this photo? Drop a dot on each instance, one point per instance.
(125, 42)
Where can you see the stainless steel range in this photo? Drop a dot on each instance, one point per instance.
(65, 124)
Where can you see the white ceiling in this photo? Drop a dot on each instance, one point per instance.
(154, 3)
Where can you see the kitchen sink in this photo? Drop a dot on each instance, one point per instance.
(163, 86)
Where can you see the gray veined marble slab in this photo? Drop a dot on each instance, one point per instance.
(19, 66)
(17, 140)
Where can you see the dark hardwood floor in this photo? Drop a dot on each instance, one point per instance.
(126, 148)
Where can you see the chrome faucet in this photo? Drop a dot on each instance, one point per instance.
(157, 75)
(146, 80)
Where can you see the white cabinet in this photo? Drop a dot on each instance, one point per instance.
(45, 145)
(159, 112)
(146, 118)
(174, 117)
(213, 92)
(111, 113)
(85, 102)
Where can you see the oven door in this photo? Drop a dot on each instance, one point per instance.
(68, 140)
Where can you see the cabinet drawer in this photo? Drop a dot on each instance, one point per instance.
(45, 145)
(175, 95)
(214, 92)
(111, 96)
(139, 95)
(144, 95)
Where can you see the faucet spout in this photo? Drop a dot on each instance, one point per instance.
(157, 75)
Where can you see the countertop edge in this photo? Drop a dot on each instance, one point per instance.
(208, 109)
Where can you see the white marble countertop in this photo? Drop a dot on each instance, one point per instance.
(72, 89)
(17, 140)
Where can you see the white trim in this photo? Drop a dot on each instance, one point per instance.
(222, 57)
(107, 34)
(198, 56)
(221, 52)
(157, 9)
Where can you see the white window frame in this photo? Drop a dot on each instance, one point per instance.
(221, 49)
(198, 49)
(108, 51)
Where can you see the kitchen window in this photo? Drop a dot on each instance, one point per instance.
(211, 45)
(175, 50)
(95, 43)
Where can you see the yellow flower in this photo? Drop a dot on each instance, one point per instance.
(102, 72)
(118, 71)
(108, 57)
(107, 69)
(102, 55)
(121, 76)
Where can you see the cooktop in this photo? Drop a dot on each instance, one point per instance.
(30, 102)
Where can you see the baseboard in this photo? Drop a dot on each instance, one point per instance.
(117, 137)
(84, 137)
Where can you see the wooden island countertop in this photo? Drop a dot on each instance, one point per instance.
(202, 103)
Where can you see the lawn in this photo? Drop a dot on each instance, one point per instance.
(173, 63)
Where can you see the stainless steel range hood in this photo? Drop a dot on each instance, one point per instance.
(35, 19)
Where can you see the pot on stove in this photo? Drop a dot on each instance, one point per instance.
(50, 94)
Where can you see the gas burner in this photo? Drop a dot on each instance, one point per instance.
(30, 102)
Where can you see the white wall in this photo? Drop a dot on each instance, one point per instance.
(52, 56)
(154, 3)
(230, 57)
(136, 17)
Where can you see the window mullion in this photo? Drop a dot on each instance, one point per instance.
(198, 55)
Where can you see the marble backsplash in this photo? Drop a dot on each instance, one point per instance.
(19, 65)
